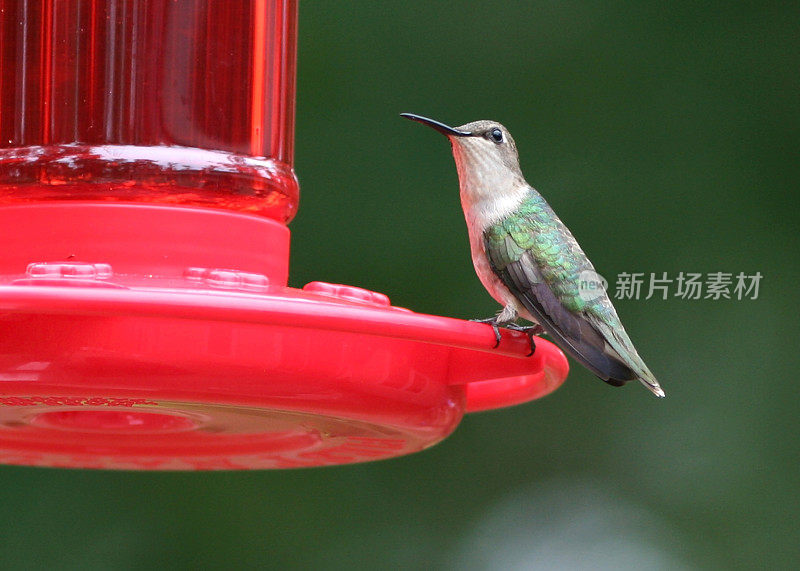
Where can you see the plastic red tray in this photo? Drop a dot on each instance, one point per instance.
(144, 350)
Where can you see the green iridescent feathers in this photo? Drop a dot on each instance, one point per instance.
(534, 229)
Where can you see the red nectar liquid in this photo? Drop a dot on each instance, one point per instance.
(186, 102)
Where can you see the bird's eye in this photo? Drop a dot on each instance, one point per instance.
(496, 135)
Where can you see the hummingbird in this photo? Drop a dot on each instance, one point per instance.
(528, 260)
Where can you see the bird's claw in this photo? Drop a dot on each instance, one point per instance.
(529, 330)
(493, 322)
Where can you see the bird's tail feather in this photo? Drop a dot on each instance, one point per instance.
(622, 346)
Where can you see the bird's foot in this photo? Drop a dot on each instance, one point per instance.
(493, 322)
(529, 330)
(535, 329)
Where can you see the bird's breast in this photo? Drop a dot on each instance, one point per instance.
(480, 260)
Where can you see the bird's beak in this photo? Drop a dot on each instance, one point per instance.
(441, 127)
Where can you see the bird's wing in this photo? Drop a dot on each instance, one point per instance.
(544, 276)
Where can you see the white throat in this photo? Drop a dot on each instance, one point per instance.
(488, 194)
(491, 189)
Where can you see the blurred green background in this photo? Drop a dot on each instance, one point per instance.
(666, 137)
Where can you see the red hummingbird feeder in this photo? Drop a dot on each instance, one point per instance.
(146, 182)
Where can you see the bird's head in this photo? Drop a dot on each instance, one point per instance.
(485, 153)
